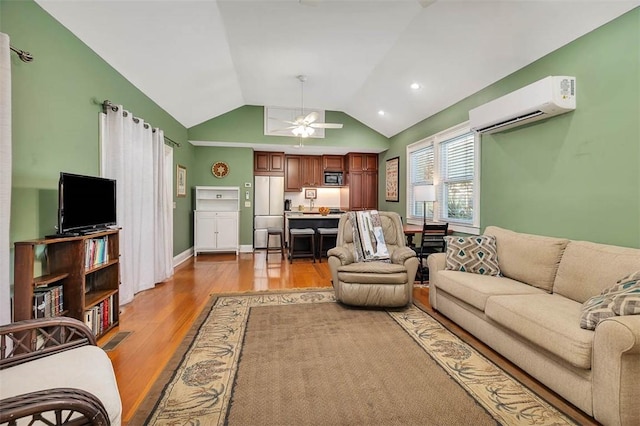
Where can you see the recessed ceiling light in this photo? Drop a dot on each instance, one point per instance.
(415, 86)
(381, 112)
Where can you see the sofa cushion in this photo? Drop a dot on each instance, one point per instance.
(531, 259)
(475, 254)
(588, 268)
(67, 369)
(549, 321)
(476, 289)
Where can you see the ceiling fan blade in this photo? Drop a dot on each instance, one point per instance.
(326, 125)
(310, 118)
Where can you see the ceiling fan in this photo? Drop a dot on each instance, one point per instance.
(305, 125)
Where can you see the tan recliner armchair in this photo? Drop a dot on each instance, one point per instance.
(373, 283)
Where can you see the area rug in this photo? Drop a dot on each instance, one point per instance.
(301, 358)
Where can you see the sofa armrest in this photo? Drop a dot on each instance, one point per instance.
(27, 340)
(616, 368)
(435, 262)
(44, 404)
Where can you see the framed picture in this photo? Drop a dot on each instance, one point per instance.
(392, 175)
(181, 181)
(311, 194)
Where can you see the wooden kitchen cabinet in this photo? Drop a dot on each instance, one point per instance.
(302, 171)
(362, 162)
(362, 179)
(268, 163)
(333, 163)
(312, 170)
(363, 190)
(293, 173)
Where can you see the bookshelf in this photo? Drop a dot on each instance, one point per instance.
(81, 276)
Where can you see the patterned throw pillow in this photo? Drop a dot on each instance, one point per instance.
(477, 255)
(621, 299)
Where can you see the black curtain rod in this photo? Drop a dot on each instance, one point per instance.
(108, 104)
(24, 56)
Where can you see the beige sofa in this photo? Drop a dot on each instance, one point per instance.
(531, 315)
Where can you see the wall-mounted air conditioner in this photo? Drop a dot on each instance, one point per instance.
(545, 98)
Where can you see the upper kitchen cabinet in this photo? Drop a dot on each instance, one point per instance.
(293, 173)
(311, 170)
(268, 163)
(362, 162)
(333, 163)
(302, 171)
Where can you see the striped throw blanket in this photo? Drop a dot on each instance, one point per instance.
(368, 238)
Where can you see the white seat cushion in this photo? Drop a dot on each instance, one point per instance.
(87, 368)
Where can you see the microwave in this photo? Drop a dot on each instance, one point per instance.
(332, 178)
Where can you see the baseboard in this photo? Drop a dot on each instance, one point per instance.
(246, 248)
(178, 259)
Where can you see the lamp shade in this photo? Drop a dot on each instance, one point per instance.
(424, 193)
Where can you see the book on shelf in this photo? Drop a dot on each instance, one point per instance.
(100, 317)
(96, 252)
(48, 301)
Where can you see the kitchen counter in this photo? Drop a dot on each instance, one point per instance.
(297, 219)
(301, 215)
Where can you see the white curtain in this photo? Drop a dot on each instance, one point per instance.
(5, 177)
(134, 155)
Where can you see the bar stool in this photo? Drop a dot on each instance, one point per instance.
(280, 233)
(299, 233)
(325, 232)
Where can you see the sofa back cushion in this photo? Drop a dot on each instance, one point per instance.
(588, 268)
(531, 259)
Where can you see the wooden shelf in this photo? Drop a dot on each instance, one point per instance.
(49, 278)
(94, 297)
(83, 289)
(95, 268)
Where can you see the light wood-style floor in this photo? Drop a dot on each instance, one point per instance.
(159, 318)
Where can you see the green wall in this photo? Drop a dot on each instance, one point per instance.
(576, 175)
(56, 102)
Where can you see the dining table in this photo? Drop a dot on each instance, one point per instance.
(410, 230)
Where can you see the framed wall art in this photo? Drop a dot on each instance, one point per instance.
(392, 177)
(310, 193)
(181, 181)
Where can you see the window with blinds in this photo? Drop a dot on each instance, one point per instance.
(421, 169)
(457, 175)
(450, 161)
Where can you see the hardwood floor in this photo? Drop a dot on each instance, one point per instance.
(159, 318)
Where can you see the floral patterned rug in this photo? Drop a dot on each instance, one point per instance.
(201, 387)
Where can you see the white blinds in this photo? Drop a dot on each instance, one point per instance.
(457, 160)
(421, 169)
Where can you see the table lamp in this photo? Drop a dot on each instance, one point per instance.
(424, 193)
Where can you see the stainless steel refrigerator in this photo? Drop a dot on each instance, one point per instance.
(268, 209)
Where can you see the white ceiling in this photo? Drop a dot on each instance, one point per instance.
(200, 59)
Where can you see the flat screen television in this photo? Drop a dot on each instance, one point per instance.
(85, 203)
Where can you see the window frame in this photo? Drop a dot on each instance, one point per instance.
(437, 140)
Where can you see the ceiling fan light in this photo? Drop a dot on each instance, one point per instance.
(310, 130)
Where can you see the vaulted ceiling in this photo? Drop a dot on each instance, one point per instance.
(200, 59)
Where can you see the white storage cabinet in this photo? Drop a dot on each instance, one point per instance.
(216, 219)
